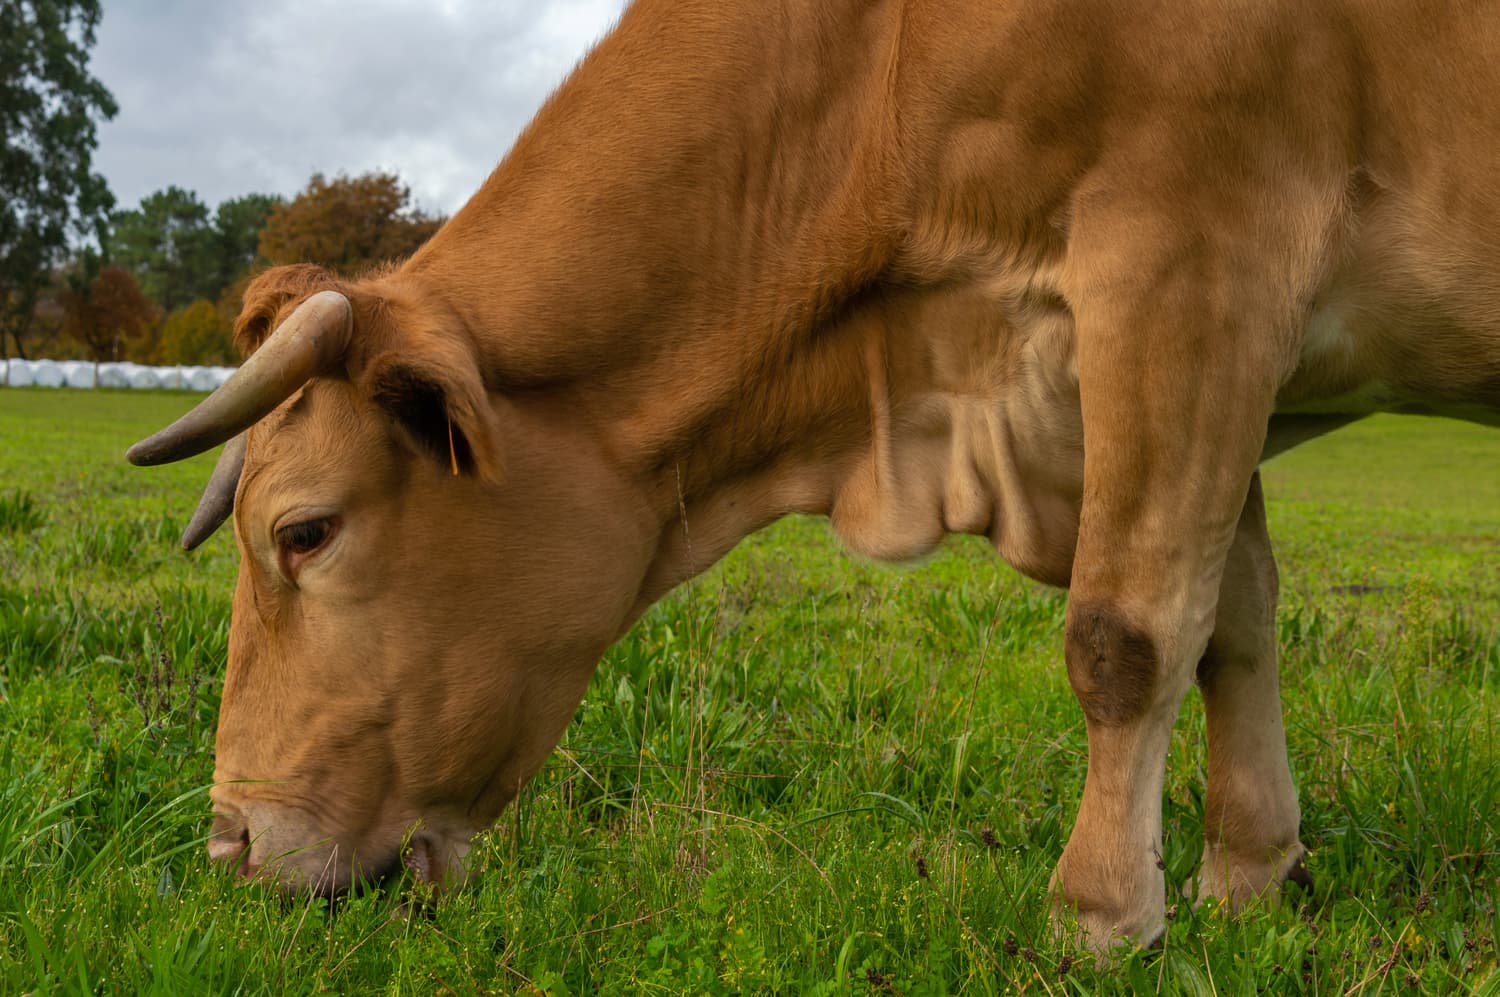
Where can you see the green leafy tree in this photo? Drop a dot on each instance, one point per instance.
(50, 107)
(169, 244)
(347, 224)
(180, 252)
(238, 223)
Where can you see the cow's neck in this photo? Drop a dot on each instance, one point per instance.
(675, 247)
(709, 174)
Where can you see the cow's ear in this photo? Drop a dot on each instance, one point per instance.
(438, 402)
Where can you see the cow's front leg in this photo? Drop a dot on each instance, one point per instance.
(1139, 619)
(1251, 816)
(1130, 669)
(1177, 380)
(1129, 676)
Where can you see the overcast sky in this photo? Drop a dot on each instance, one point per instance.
(231, 99)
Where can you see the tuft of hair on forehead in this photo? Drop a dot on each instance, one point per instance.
(272, 296)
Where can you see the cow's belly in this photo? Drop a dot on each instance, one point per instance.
(1376, 397)
(1407, 323)
(1379, 364)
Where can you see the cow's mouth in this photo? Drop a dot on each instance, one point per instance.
(428, 859)
(423, 857)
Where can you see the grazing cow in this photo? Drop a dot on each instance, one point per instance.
(1056, 272)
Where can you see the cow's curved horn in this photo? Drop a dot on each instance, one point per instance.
(311, 340)
(218, 498)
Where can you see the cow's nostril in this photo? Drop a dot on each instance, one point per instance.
(419, 858)
(229, 841)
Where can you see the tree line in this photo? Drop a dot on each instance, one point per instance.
(166, 284)
(161, 282)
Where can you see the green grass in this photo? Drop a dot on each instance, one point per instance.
(801, 774)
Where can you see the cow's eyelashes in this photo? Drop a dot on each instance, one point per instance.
(297, 542)
(304, 537)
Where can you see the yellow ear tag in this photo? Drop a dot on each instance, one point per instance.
(452, 453)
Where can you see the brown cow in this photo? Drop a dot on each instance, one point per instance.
(1057, 272)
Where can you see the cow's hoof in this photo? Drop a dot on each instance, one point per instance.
(1109, 938)
(1103, 911)
(1108, 946)
(1235, 881)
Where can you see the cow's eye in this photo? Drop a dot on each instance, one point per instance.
(305, 537)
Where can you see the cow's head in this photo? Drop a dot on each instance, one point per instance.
(428, 576)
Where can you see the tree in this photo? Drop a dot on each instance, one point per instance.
(49, 109)
(113, 316)
(181, 254)
(195, 334)
(238, 223)
(168, 244)
(347, 224)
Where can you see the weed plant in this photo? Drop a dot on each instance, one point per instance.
(801, 774)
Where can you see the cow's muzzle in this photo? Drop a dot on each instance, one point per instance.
(229, 844)
(262, 841)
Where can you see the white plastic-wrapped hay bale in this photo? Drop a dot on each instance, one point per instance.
(47, 374)
(199, 378)
(222, 374)
(78, 374)
(143, 378)
(169, 377)
(18, 374)
(115, 375)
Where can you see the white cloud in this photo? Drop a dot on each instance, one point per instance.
(232, 99)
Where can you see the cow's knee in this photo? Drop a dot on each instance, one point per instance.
(1114, 665)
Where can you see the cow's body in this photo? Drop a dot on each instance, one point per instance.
(1040, 271)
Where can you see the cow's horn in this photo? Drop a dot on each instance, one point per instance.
(218, 498)
(311, 340)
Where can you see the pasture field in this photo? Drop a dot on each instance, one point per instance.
(801, 774)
